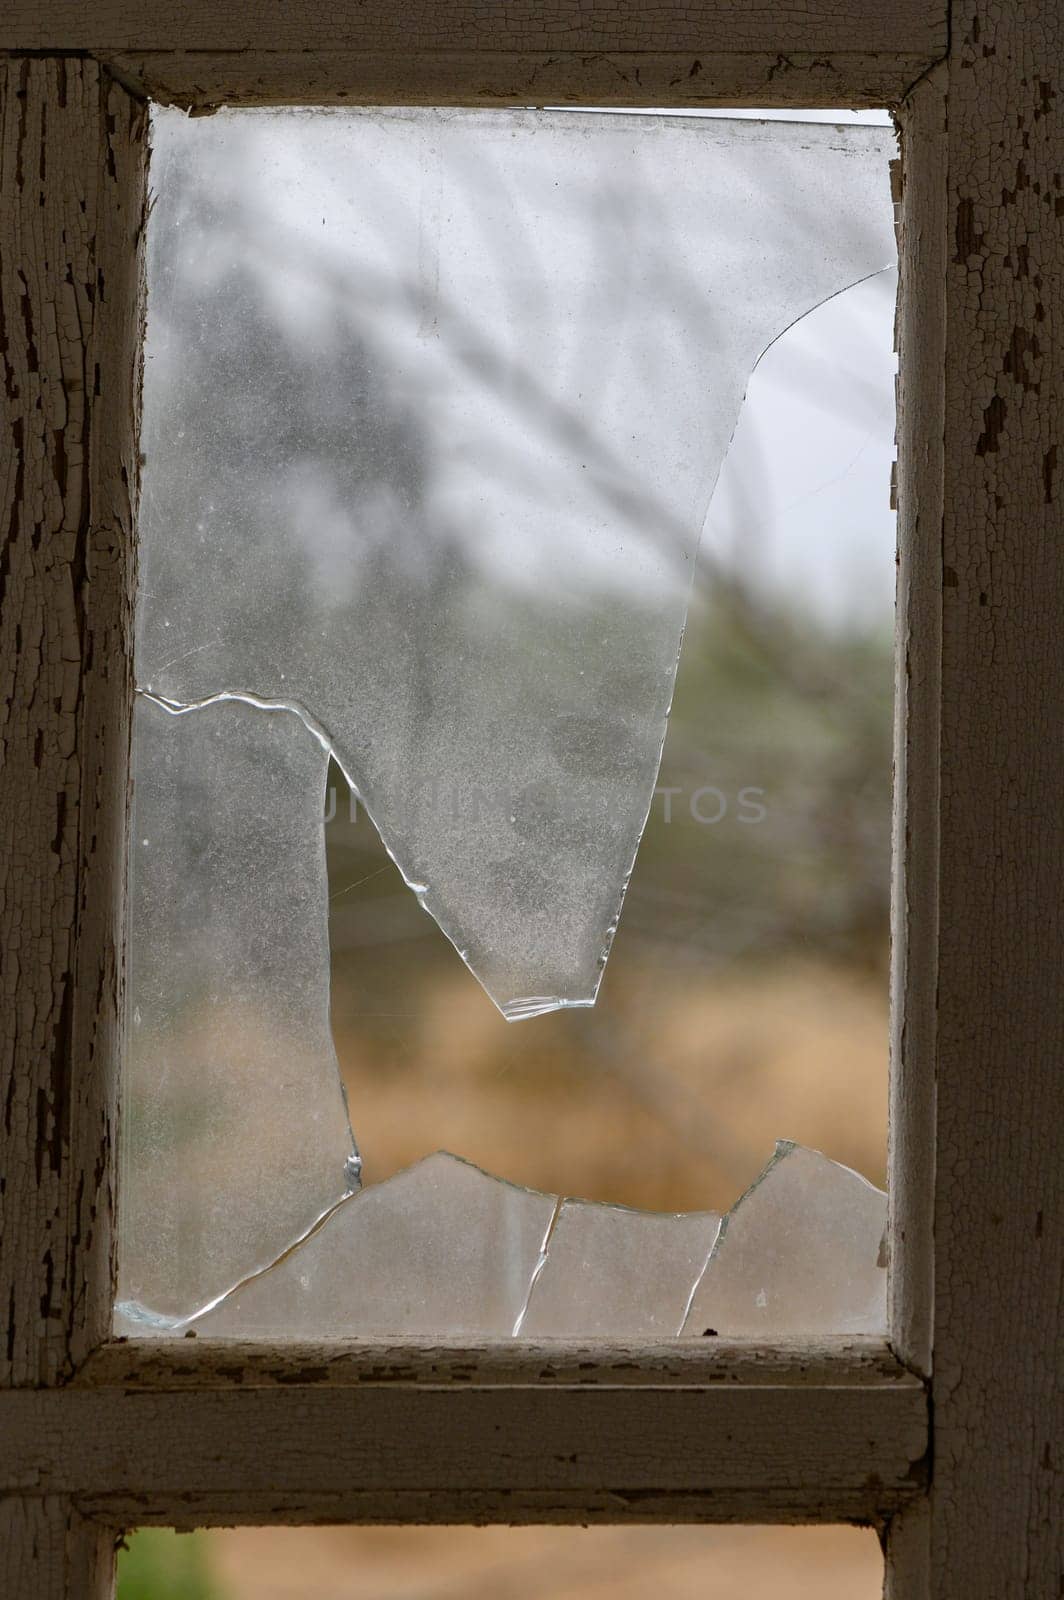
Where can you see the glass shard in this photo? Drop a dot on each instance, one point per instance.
(608, 1272)
(435, 405)
(442, 1250)
(801, 1252)
(745, 993)
(235, 1127)
(435, 402)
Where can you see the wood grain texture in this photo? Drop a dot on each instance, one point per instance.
(997, 1506)
(482, 74)
(71, 177)
(49, 1552)
(921, 341)
(203, 54)
(915, 27)
(906, 1548)
(158, 1365)
(450, 1437)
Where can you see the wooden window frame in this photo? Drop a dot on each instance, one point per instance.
(947, 1437)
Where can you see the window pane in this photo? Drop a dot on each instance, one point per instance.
(435, 407)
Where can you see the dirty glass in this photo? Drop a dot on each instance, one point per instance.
(435, 406)
(803, 1251)
(234, 1100)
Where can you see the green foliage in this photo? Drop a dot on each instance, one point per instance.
(159, 1564)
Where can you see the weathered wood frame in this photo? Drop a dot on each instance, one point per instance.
(948, 1439)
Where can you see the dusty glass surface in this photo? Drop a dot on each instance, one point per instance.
(802, 1252)
(435, 405)
(455, 502)
(445, 1250)
(441, 1250)
(610, 1272)
(233, 1102)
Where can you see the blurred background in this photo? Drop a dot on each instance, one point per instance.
(502, 1564)
(745, 997)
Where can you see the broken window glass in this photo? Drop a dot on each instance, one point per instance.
(802, 1252)
(435, 403)
(444, 1250)
(237, 1136)
(610, 1272)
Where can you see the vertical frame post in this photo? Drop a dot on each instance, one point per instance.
(979, 1229)
(999, 1179)
(921, 341)
(49, 1552)
(72, 182)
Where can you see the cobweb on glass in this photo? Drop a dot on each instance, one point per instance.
(446, 1251)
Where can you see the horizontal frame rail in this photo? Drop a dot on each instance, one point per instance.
(188, 1433)
(817, 26)
(206, 53)
(205, 80)
(161, 1365)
